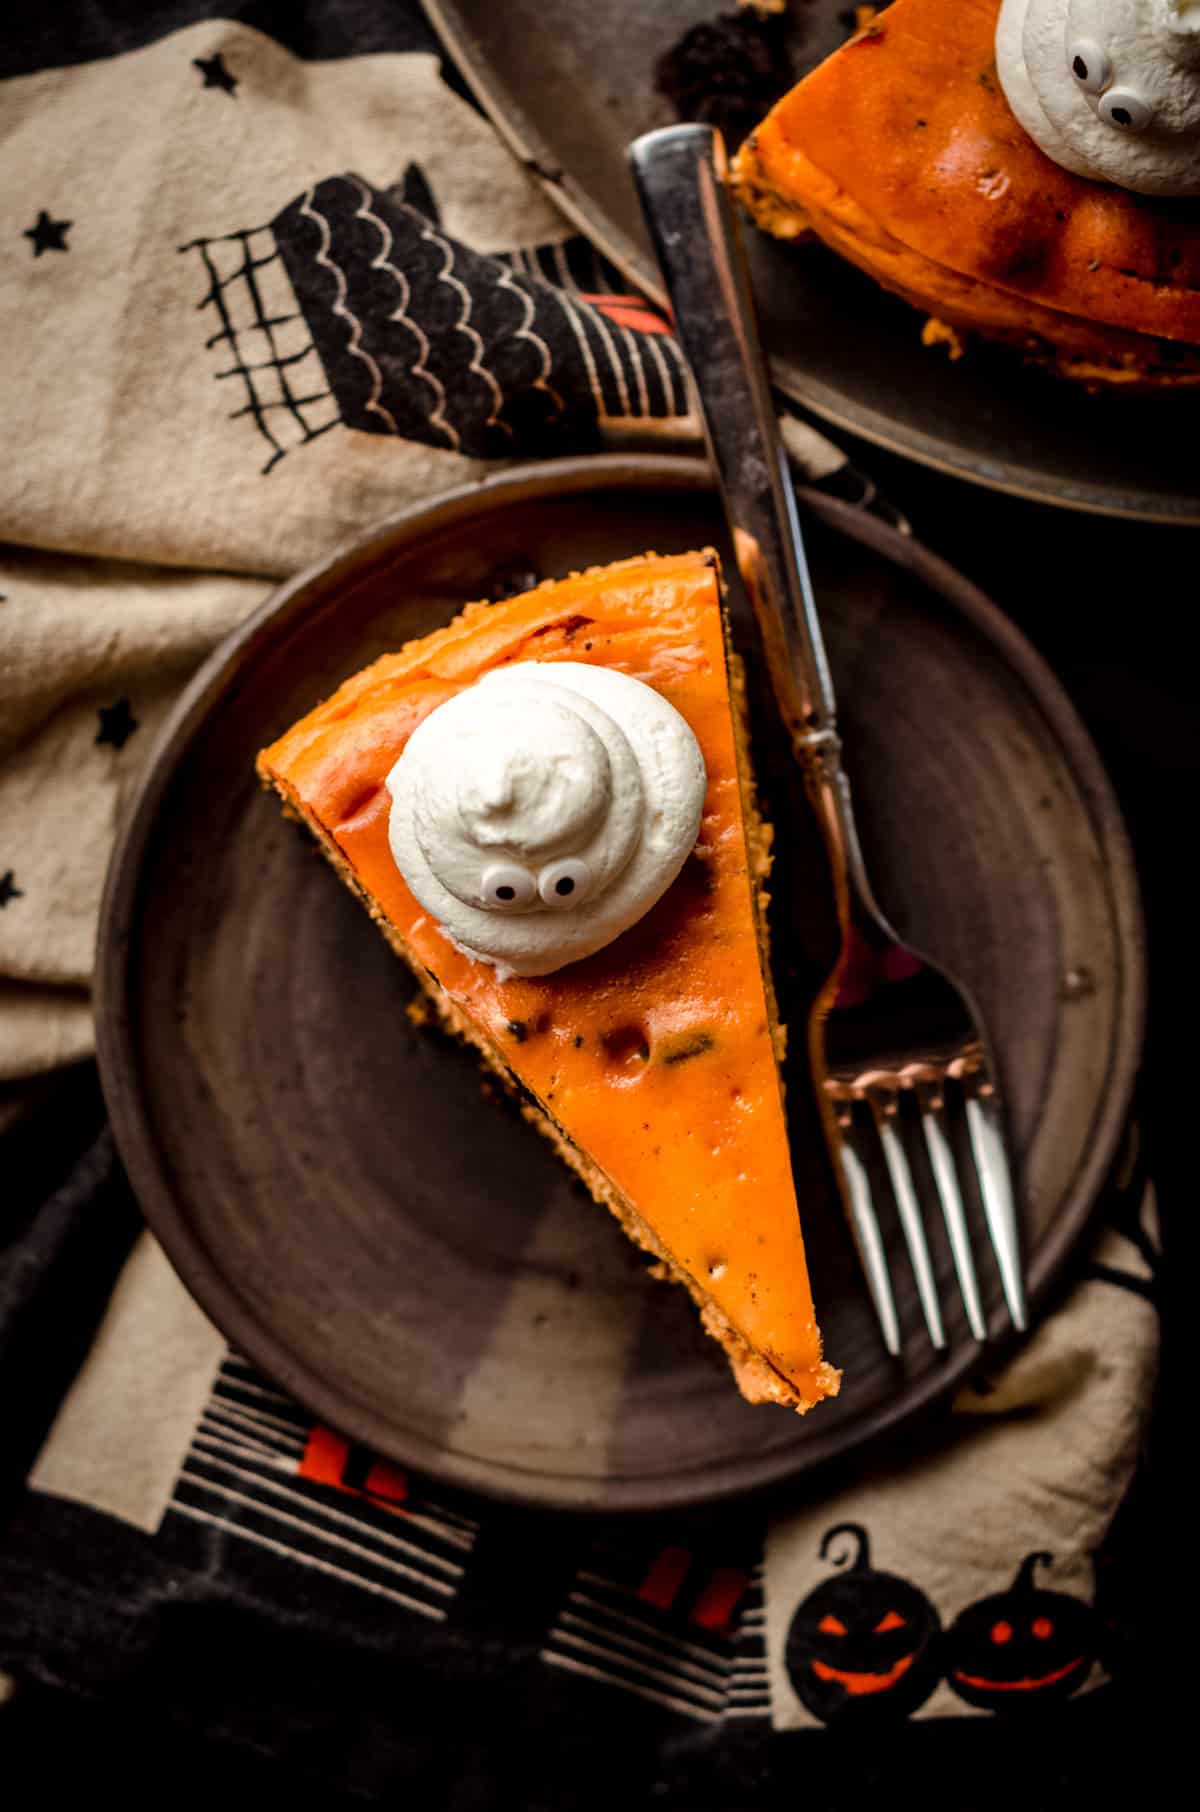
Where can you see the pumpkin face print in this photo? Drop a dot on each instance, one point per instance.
(1022, 1647)
(863, 1645)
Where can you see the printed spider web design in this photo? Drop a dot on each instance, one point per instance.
(272, 351)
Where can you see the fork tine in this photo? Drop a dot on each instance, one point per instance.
(910, 1216)
(864, 1224)
(931, 1104)
(995, 1186)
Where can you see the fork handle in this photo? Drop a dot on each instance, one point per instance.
(680, 175)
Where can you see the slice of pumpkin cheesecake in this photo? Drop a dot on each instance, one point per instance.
(901, 152)
(548, 809)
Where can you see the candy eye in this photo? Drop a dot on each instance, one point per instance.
(831, 1625)
(564, 884)
(1042, 1628)
(506, 886)
(1089, 65)
(891, 1620)
(1002, 1632)
(1121, 107)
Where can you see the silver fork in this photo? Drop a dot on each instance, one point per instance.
(894, 1042)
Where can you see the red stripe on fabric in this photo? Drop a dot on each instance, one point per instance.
(388, 1482)
(667, 1573)
(720, 1598)
(627, 311)
(325, 1456)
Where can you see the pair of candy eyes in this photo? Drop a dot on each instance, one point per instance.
(1002, 1632)
(560, 886)
(1092, 69)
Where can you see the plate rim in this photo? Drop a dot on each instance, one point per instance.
(1007, 477)
(117, 964)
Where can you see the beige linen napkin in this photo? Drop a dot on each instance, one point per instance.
(140, 524)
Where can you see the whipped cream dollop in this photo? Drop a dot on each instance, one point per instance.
(1108, 88)
(541, 812)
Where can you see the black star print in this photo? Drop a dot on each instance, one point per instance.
(48, 235)
(9, 889)
(215, 73)
(117, 724)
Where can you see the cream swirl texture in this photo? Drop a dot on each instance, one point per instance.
(541, 812)
(1108, 88)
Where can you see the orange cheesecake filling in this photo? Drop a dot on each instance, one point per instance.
(654, 1058)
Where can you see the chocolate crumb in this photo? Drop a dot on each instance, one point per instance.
(727, 71)
(518, 1030)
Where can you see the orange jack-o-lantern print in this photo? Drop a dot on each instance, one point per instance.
(1023, 1647)
(863, 1645)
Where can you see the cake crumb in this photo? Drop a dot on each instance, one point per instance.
(864, 24)
(939, 333)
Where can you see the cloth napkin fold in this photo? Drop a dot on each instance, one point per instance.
(298, 297)
(268, 279)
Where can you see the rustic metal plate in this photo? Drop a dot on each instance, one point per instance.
(407, 1257)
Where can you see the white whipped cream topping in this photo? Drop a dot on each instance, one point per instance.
(1108, 88)
(543, 811)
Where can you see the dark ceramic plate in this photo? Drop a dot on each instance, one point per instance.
(569, 83)
(404, 1254)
